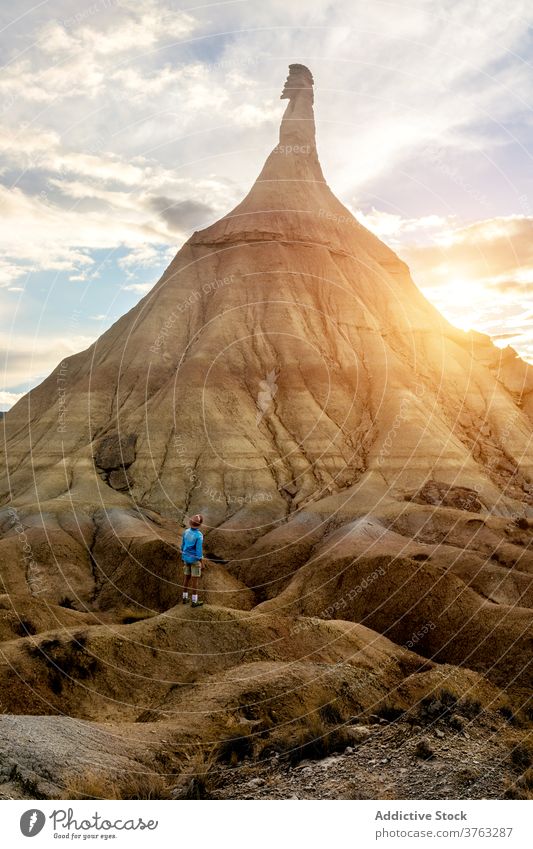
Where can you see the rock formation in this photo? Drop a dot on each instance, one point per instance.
(357, 458)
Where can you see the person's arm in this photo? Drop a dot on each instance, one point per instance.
(199, 545)
(182, 542)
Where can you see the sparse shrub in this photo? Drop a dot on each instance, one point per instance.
(522, 788)
(55, 681)
(448, 699)
(446, 706)
(437, 707)
(514, 792)
(315, 741)
(235, 749)
(269, 751)
(44, 648)
(424, 751)
(421, 556)
(197, 788)
(471, 708)
(526, 780)
(509, 715)
(528, 710)
(149, 716)
(200, 778)
(67, 602)
(521, 756)
(522, 523)
(390, 712)
(24, 628)
(330, 714)
(95, 785)
(64, 660)
(467, 776)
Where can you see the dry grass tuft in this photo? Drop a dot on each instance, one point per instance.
(199, 779)
(97, 785)
(315, 740)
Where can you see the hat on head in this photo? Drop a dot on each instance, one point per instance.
(196, 521)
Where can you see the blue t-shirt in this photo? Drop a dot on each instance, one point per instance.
(191, 545)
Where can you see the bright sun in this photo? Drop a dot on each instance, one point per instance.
(461, 301)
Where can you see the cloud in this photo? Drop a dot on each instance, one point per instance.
(79, 50)
(40, 149)
(182, 215)
(478, 275)
(7, 399)
(144, 255)
(142, 24)
(39, 235)
(139, 259)
(10, 272)
(27, 359)
(398, 230)
(141, 288)
(498, 251)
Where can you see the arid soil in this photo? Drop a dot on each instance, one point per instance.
(365, 471)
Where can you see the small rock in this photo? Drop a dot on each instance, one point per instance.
(348, 750)
(456, 722)
(439, 734)
(119, 479)
(384, 760)
(357, 734)
(424, 751)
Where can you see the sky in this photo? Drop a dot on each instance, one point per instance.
(125, 125)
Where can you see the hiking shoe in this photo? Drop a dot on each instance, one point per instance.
(185, 601)
(197, 604)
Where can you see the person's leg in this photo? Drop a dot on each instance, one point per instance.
(186, 582)
(195, 577)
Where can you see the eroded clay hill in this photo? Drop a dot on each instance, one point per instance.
(356, 457)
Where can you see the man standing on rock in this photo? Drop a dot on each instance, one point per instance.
(191, 554)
